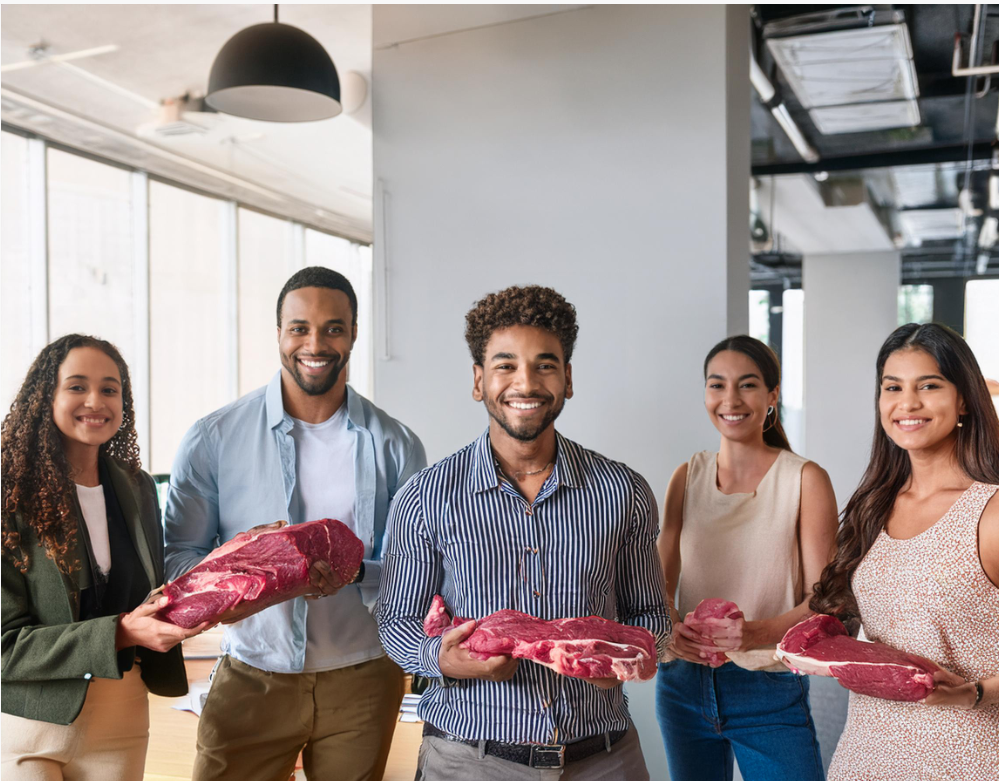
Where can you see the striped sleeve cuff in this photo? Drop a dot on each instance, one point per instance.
(430, 651)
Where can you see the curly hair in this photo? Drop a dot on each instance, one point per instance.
(533, 305)
(36, 478)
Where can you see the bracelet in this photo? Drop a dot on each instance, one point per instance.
(979, 693)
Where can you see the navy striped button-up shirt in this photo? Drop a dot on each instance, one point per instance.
(585, 546)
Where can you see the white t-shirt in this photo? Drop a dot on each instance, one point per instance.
(340, 630)
(95, 514)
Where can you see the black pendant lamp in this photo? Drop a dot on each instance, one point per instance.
(274, 72)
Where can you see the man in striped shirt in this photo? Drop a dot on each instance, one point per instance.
(523, 519)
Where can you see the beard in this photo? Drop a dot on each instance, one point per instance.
(316, 386)
(525, 431)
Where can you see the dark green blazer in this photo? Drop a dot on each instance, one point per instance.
(49, 655)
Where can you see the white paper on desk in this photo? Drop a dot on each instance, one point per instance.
(411, 717)
(194, 700)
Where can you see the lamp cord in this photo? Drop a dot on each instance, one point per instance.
(275, 13)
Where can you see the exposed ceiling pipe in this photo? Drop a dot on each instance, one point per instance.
(768, 95)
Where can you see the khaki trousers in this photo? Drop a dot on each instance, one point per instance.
(445, 760)
(255, 722)
(106, 742)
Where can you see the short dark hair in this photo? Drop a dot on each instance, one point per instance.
(532, 305)
(318, 276)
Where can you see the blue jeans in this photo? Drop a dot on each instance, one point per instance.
(707, 714)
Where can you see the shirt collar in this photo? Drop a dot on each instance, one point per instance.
(483, 475)
(276, 417)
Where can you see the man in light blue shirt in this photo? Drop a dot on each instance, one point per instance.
(306, 446)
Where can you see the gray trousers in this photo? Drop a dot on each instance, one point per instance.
(445, 760)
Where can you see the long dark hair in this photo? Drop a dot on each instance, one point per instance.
(36, 479)
(977, 451)
(766, 361)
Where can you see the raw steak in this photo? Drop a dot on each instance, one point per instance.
(821, 645)
(714, 619)
(265, 568)
(590, 647)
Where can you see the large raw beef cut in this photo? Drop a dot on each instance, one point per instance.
(590, 647)
(715, 620)
(821, 645)
(264, 568)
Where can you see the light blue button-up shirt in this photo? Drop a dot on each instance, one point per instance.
(235, 469)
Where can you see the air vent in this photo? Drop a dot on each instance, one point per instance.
(922, 225)
(852, 80)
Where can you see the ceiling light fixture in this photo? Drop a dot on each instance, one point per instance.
(274, 72)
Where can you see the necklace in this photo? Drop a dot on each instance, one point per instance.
(526, 474)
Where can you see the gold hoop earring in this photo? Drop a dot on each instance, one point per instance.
(770, 411)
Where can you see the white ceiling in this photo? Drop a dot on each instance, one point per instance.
(167, 50)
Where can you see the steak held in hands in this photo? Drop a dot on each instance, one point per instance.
(590, 647)
(715, 620)
(265, 569)
(821, 645)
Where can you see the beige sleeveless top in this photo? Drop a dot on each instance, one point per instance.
(743, 547)
(927, 595)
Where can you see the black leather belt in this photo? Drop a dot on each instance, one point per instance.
(534, 754)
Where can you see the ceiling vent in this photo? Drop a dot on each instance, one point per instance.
(922, 225)
(850, 80)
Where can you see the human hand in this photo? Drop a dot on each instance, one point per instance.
(952, 691)
(140, 627)
(604, 683)
(691, 646)
(457, 662)
(260, 528)
(325, 581)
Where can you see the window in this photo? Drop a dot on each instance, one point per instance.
(266, 260)
(981, 323)
(915, 304)
(187, 316)
(793, 368)
(186, 303)
(759, 315)
(15, 272)
(90, 251)
(354, 262)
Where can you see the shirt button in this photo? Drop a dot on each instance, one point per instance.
(529, 511)
(537, 595)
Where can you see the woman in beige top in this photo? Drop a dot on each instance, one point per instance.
(753, 524)
(917, 565)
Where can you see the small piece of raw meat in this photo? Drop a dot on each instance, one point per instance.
(590, 647)
(820, 645)
(265, 568)
(714, 619)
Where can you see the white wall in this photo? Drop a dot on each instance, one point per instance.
(603, 151)
(851, 305)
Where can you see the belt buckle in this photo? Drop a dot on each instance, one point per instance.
(547, 756)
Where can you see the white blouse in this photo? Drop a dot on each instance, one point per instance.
(95, 514)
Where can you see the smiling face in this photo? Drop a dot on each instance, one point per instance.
(87, 405)
(524, 380)
(919, 409)
(736, 397)
(315, 337)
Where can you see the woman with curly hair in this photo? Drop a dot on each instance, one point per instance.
(752, 524)
(82, 547)
(917, 564)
